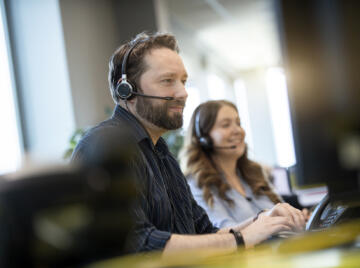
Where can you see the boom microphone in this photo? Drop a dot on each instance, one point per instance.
(225, 147)
(154, 97)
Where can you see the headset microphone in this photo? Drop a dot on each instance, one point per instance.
(151, 96)
(225, 147)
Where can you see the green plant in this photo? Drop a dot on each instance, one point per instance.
(77, 135)
(175, 140)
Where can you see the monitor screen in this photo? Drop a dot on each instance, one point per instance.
(64, 218)
(281, 181)
(320, 44)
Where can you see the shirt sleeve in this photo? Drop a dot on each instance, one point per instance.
(219, 214)
(145, 237)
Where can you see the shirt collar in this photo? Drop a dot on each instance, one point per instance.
(140, 132)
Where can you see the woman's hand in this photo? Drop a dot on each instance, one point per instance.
(282, 217)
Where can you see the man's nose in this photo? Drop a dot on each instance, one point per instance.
(181, 92)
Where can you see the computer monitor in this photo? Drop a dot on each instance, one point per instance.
(281, 181)
(320, 43)
(64, 217)
(70, 215)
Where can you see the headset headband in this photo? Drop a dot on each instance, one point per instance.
(197, 124)
(125, 60)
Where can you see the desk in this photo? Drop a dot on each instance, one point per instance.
(335, 247)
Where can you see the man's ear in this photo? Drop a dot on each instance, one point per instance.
(132, 100)
(123, 105)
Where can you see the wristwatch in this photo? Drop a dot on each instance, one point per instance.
(238, 238)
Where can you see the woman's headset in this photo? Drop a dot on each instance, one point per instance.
(205, 142)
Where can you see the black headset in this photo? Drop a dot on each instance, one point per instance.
(124, 89)
(205, 142)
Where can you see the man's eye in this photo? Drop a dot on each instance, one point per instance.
(168, 81)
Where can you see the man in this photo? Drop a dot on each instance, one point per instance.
(147, 81)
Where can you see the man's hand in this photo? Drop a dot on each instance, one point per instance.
(296, 217)
(306, 213)
(282, 217)
(264, 227)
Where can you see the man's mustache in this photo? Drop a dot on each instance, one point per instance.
(172, 103)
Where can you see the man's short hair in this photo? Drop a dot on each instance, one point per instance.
(135, 66)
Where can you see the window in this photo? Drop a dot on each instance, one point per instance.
(280, 116)
(192, 102)
(10, 153)
(216, 87)
(242, 105)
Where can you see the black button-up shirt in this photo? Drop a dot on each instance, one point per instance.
(166, 204)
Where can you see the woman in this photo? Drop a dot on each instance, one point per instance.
(229, 186)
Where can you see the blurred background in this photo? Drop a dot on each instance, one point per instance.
(54, 64)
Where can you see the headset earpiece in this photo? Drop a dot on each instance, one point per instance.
(124, 90)
(205, 142)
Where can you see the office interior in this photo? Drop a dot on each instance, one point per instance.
(54, 57)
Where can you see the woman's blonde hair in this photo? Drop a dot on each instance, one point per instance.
(196, 160)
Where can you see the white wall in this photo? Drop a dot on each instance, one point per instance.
(90, 32)
(93, 29)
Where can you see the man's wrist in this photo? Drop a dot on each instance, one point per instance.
(238, 238)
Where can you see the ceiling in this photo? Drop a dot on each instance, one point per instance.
(242, 33)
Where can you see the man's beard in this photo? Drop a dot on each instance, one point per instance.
(158, 114)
